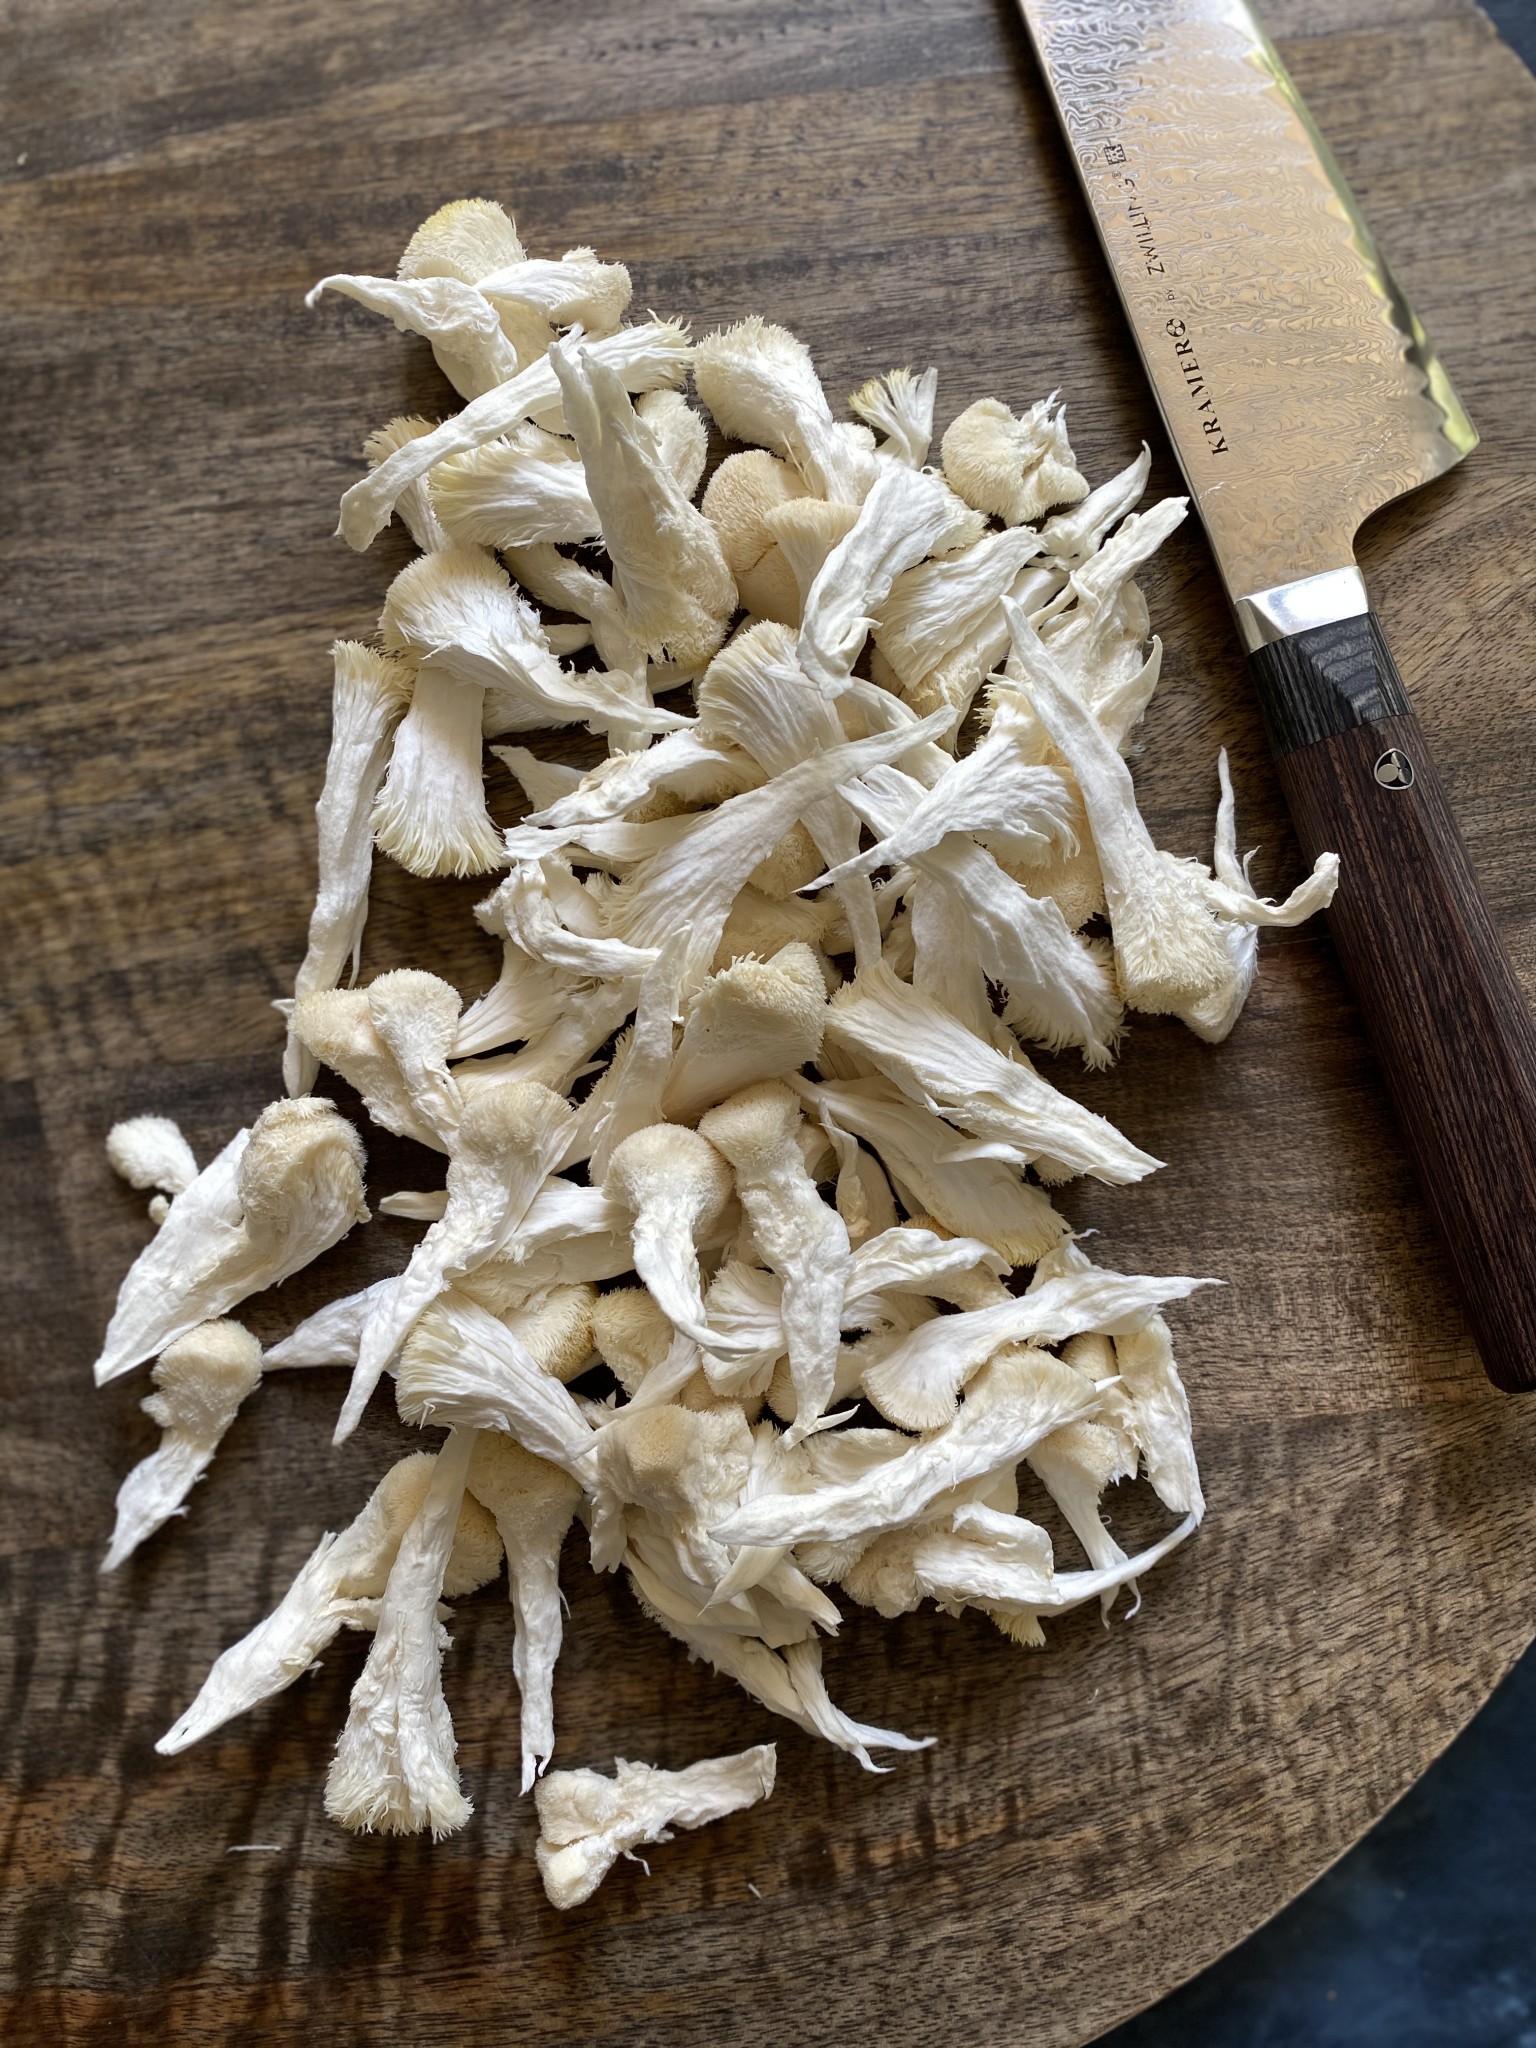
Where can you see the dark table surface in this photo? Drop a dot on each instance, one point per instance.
(884, 177)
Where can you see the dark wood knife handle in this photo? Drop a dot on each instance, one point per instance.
(1449, 1021)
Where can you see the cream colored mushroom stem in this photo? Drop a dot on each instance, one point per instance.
(328, 1337)
(801, 1238)
(667, 565)
(395, 1766)
(339, 1585)
(753, 1021)
(508, 1141)
(1075, 1465)
(200, 1382)
(533, 1502)
(368, 696)
(587, 1822)
(677, 1186)
(413, 508)
(645, 357)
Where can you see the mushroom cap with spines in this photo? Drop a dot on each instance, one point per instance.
(301, 1151)
(742, 492)
(670, 1163)
(632, 1334)
(509, 1117)
(202, 1378)
(1015, 468)
(408, 1004)
(752, 1129)
(467, 239)
(150, 1152)
(556, 1328)
(532, 1500)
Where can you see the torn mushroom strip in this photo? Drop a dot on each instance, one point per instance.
(749, 1263)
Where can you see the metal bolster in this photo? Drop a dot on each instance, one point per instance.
(1265, 616)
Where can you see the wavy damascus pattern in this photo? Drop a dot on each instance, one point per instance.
(1299, 389)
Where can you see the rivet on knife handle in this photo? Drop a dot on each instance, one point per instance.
(1301, 394)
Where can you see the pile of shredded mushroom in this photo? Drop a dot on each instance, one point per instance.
(748, 1258)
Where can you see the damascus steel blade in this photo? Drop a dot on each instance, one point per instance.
(1298, 387)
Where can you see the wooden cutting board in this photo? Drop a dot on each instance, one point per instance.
(1098, 1821)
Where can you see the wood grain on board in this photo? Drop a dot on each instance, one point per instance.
(1098, 1820)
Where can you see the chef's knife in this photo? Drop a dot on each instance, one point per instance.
(1301, 395)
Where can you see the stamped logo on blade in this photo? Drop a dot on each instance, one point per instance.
(1194, 384)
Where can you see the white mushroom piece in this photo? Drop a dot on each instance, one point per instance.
(899, 407)
(481, 658)
(676, 1186)
(150, 1152)
(339, 1586)
(370, 693)
(742, 1146)
(646, 358)
(465, 1367)
(395, 1766)
(276, 1197)
(667, 565)
(800, 1237)
(761, 386)
(391, 1041)
(509, 1140)
(1169, 951)
(1015, 468)
(200, 1382)
(743, 491)
(533, 1503)
(413, 507)
(907, 515)
(587, 1822)
(525, 488)
(1010, 1111)
(752, 1021)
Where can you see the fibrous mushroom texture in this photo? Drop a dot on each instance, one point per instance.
(587, 1821)
(748, 1267)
